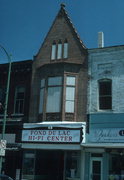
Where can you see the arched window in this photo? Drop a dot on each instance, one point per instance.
(65, 51)
(53, 54)
(105, 94)
(59, 50)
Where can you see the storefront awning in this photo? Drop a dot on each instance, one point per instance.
(51, 124)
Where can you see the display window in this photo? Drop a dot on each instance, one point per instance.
(54, 165)
(116, 166)
(72, 165)
(28, 165)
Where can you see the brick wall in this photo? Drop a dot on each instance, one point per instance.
(106, 63)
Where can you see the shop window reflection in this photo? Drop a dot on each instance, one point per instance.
(28, 165)
(116, 166)
(72, 166)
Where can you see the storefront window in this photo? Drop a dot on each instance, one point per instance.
(72, 166)
(28, 165)
(116, 166)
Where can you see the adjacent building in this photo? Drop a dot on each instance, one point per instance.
(105, 140)
(17, 113)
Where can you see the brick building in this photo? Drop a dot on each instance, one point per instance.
(18, 111)
(65, 82)
(57, 118)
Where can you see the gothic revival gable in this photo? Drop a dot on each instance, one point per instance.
(62, 43)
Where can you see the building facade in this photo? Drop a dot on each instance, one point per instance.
(17, 113)
(57, 118)
(65, 110)
(105, 140)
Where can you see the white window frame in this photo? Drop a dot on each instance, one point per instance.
(65, 50)
(53, 53)
(59, 50)
(68, 99)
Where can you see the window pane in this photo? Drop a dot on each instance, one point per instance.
(70, 93)
(41, 100)
(96, 169)
(53, 55)
(42, 83)
(2, 95)
(70, 80)
(105, 94)
(69, 106)
(54, 99)
(105, 88)
(72, 164)
(19, 100)
(65, 55)
(105, 103)
(53, 81)
(59, 53)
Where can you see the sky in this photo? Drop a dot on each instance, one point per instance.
(25, 23)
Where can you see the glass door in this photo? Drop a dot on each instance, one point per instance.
(96, 168)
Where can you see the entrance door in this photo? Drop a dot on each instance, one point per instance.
(49, 165)
(96, 168)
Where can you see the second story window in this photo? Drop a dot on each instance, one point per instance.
(70, 94)
(105, 94)
(42, 88)
(2, 100)
(54, 94)
(19, 100)
(57, 98)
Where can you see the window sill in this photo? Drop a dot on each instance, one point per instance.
(105, 111)
(56, 60)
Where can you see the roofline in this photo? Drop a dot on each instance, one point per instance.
(107, 47)
(62, 9)
(18, 62)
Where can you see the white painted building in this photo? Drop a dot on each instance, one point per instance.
(105, 142)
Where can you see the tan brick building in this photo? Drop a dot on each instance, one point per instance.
(57, 118)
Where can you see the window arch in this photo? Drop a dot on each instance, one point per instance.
(105, 94)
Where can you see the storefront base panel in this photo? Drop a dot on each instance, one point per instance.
(106, 165)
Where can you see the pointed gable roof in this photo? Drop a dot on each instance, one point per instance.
(63, 12)
(62, 29)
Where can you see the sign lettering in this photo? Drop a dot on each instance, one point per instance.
(60, 136)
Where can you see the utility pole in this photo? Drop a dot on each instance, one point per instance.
(6, 102)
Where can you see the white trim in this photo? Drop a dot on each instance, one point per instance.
(91, 166)
(64, 124)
